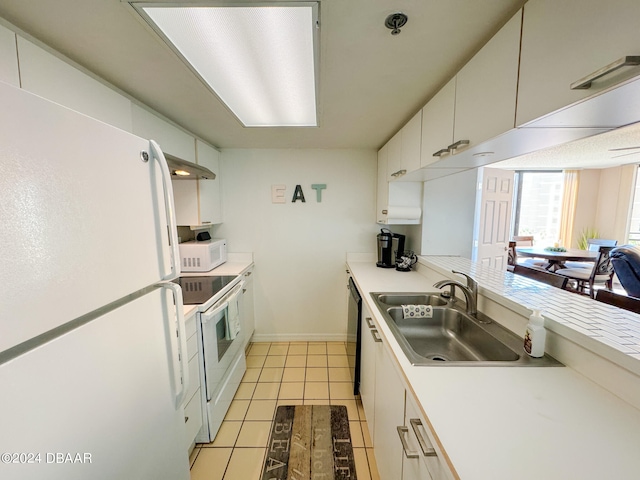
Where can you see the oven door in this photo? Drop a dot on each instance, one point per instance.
(219, 343)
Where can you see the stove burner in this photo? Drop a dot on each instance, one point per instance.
(198, 290)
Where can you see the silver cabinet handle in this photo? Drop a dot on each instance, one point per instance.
(399, 173)
(248, 274)
(369, 322)
(384, 212)
(441, 152)
(585, 83)
(426, 451)
(458, 144)
(401, 433)
(377, 338)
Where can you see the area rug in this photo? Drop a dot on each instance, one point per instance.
(310, 442)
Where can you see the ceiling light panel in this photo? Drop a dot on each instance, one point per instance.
(259, 60)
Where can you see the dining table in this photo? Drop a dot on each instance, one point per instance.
(556, 259)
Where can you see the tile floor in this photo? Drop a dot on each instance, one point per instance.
(296, 373)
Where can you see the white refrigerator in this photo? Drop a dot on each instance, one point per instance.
(92, 371)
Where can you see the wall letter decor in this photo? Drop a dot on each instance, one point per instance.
(298, 195)
(318, 187)
(277, 193)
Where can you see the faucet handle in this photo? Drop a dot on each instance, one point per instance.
(471, 283)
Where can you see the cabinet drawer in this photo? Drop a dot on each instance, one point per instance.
(194, 377)
(193, 418)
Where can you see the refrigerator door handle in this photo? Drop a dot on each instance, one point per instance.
(167, 188)
(182, 369)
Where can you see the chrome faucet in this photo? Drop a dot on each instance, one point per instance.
(470, 291)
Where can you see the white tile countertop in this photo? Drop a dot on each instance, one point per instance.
(520, 423)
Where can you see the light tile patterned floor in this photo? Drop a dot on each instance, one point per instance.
(296, 373)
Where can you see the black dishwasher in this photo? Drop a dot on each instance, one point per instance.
(353, 335)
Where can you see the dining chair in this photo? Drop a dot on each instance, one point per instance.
(593, 244)
(523, 240)
(622, 301)
(601, 273)
(543, 276)
(626, 264)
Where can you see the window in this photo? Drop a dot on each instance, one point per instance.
(634, 222)
(538, 205)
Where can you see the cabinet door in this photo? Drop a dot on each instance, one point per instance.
(389, 414)
(427, 465)
(52, 78)
(170, 138)
(411, 136)
(209, 190)
(394, 156)
(370, 341)
(563, 42)
(8, 57)
(486, 87)
(382, 194)
(437, 123)
(248, 309)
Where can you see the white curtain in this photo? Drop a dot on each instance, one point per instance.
(569, 201)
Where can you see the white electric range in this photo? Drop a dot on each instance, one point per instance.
(220, 343)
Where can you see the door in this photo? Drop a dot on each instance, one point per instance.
(82, 213)
(104, 393)
(494, 222)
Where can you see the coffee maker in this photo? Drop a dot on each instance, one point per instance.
(388, 244)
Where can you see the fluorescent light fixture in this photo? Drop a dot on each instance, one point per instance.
(259, 60)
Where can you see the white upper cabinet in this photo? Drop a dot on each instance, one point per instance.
(8, 58)
(209, 190)
(437, 124)
(411, 138)
(479, 103)
(404, 149)
(486, 87)
(394, 156)
(171, 139)
(382, 193)
(50, 77)
(198, 202)
(564, 42)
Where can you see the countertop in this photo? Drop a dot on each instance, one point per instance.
(513, 422)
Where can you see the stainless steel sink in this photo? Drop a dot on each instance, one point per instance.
(451, 336)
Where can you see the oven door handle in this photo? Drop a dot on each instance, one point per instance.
(212, 312)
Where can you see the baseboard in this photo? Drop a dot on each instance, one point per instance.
(299, 337)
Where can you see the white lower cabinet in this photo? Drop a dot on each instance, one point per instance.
(388, 414)
(404, 446)
(369, 344)
(193, 401)
(247, 306)
(420, 461)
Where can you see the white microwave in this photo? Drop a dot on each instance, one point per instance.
(202, 256)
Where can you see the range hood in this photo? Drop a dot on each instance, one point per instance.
(184, 170)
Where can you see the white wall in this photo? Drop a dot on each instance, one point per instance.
(448, 214)
(299, 248)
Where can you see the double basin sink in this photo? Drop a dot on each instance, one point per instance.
(451, 336)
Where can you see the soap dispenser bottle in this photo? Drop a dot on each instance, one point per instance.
(535, 335)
